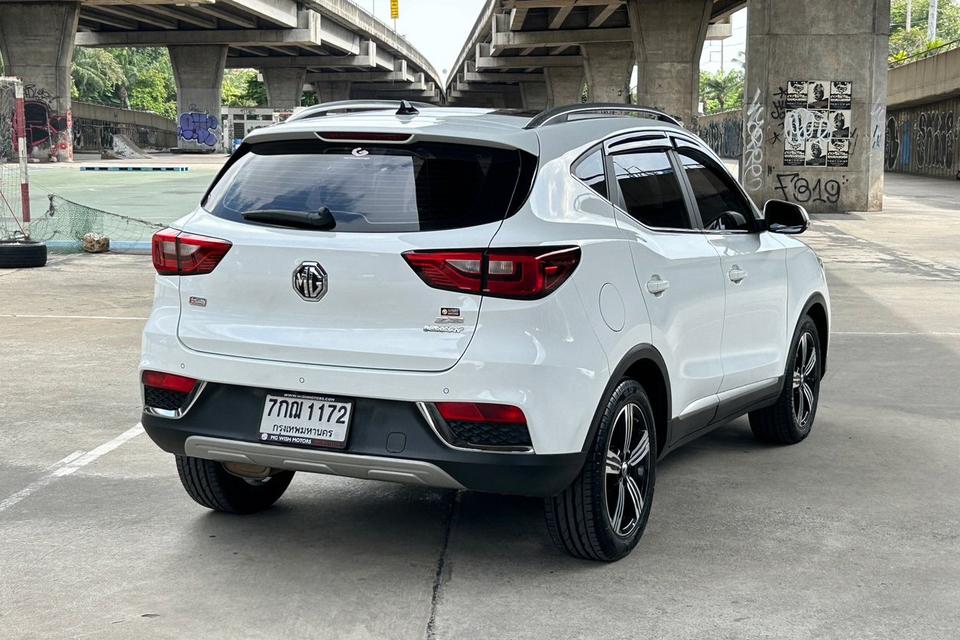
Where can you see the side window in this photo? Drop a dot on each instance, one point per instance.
(716, 193)
(590, 170)
(651, 192)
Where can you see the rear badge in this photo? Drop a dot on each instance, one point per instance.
(450, 311)
(437, 328)
(449, 321)
(197, 301)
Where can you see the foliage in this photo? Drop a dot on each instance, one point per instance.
(96, 76)
(914, 40)
(721, 91)
(242, 89)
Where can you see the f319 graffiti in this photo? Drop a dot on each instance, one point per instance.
(796, 188)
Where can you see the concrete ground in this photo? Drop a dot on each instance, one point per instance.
(850, 534)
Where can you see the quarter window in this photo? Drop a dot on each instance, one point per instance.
(590, 171)
(651, 192)
(716, 193)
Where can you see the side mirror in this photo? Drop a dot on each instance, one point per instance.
(781, 216)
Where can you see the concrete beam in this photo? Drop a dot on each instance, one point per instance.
(560, 38)
(313, 30)
(225, 16)
(281, 12)
(476, 76)
(332, 91)
(560, 16)
(360, 76)
(517, 18)
(183, 16)
(528, 62)
(719, 31)
(371, 58)
(136, 16)
(604, 14)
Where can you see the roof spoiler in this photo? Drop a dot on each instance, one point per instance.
(354, 106)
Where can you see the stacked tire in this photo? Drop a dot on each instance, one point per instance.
(19, 254)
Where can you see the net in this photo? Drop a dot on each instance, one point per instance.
(64, 223)
(14, 195)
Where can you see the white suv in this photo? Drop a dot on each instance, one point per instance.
(474, 299)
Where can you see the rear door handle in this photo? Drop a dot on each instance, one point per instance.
(736, 274)
(657, 285)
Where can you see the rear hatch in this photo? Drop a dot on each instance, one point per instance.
(339, 292)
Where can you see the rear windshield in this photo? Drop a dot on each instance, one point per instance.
(374, 187)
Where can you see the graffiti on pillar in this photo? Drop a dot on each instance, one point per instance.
(753, 146)
(45, 129)
(723, 132)
(924, 139)
(817, 123)
(796, 188)
(199, 126)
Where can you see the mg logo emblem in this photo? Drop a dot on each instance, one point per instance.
(310, 281)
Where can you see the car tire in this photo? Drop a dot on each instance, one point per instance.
(20, 254)
(212, 486)
(584, 520)
(790, 420)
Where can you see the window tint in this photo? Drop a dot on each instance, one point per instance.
(373, 188)
(590, 170)
(650, 189)
(716, 193)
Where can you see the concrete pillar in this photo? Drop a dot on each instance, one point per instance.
(198, 73)
(668, 38)
(608, 67)
(533, 96)
(36, 42)
(332, 91)
(564, 85)
(284, 87)
(814, 103)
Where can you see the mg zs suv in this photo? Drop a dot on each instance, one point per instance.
(481, 300)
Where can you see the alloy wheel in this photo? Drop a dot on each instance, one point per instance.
(804, 380)
(627, 469)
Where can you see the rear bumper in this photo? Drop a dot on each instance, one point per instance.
(388, 440)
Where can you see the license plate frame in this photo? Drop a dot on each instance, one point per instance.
(304, 420)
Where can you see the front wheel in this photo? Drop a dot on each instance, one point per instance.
(789, 420)
(211, 485)
(602, 514)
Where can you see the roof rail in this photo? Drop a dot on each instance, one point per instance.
(562, 114)
(352, 106)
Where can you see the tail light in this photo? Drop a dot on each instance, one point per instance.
(481, 425)
(168, 382)
(176, 253)
(523, 273)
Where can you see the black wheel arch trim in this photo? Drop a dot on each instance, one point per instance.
(636, 355)
(817, 298)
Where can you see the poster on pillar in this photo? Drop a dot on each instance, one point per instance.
(817, 123)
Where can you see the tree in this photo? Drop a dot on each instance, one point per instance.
(96, 76)
(242, 89)
(721, 91)
(915, 39)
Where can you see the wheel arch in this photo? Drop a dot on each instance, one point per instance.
(644, 364)
(816, 308)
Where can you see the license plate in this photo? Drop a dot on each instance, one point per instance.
(305, 421)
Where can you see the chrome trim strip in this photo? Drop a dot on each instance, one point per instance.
(432, 421)
(173, 414)
(335, 463)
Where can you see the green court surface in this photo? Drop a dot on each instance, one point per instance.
(161, 196)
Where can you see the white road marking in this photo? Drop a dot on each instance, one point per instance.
(56, 317)
(71, 464)
(70, 458)
(948, 334)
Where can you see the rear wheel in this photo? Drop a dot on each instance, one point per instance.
(790, 420)
(212, 486)
(21, 254)
(603, 513)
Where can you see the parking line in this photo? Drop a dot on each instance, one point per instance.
(948, 334)
(55, 317)
(71, 464)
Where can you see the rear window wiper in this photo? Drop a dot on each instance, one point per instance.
(321, 219)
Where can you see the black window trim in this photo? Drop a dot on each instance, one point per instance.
(606, 173)
(618, 202)
(683, 142)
